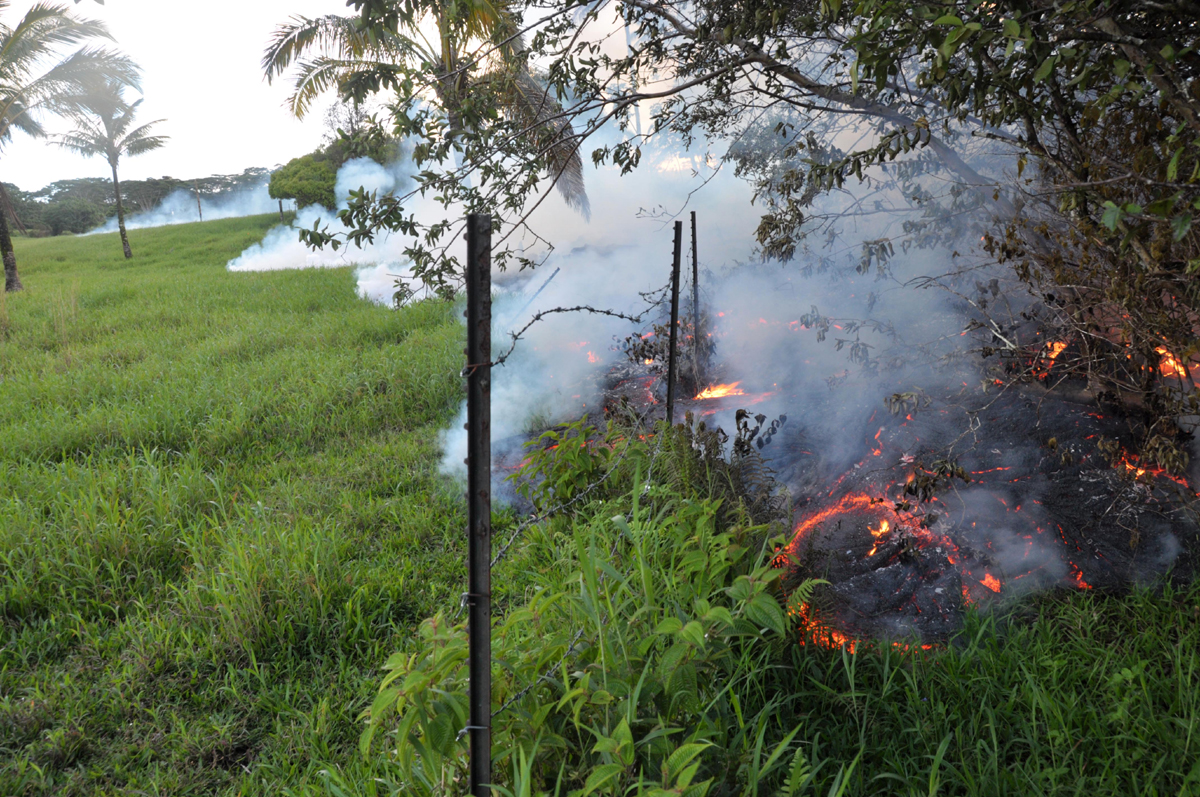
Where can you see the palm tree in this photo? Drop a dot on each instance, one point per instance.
(35, 77)
(349, 53)
(102, 128)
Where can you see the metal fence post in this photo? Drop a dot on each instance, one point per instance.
(479, 497)
(674, 323)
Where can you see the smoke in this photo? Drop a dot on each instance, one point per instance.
(820, 339)
(179, 207)
(281, 247)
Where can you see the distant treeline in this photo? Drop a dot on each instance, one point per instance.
(83, 204)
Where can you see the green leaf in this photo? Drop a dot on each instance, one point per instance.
(671, 625)
(1112, 216)
(441, 734)
(948, 19)
(1120, 67)
(1045, 69)
(681, 757)
(683, 681)
(719, 614)
(606, 744)
(693, 632)
(600, 776)
(1012, 28)
(765, 613)
(1173, 166)
(741, 589)
(1180, 226)
(1162, 207)
(624, 739)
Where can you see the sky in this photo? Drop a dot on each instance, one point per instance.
(201, 73)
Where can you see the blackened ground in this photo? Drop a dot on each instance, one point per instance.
(1023, 499)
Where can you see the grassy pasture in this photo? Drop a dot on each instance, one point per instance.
(220, 515)
(218, 511)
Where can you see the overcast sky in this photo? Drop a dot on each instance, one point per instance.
(201, 73)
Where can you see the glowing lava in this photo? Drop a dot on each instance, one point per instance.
(720, 391)
(991, 582)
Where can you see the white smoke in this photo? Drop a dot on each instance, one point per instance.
(281, 247)
(179, 207)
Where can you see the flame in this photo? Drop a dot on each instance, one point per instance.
(1050, 353)
(1170, 365)
(593, 358)
(991, 582)
(720, 391)
(649, 361)
(1133, 467)
(877, 533)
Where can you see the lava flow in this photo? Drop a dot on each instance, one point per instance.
(906, 547)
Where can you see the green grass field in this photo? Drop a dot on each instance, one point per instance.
(218, 511)
(220, 515)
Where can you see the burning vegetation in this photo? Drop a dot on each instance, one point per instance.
(950, 497)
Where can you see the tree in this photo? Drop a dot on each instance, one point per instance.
(74, 214)
(102, 124)
(35, 78)
(472, 82)
(307, 180)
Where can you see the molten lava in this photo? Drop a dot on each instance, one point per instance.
(720, 391)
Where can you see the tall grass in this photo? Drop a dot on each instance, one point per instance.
(219, 512)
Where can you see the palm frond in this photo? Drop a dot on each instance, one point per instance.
(39, 35)
(334, 35)
(81, 144)
(318, 75)
(527, 101)
(139, 140)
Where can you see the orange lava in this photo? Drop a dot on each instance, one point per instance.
(847, 503)
(720, 391)
(1055, 348)
(991, 582)
(593, 358)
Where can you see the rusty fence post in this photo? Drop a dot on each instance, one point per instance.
(479, 498)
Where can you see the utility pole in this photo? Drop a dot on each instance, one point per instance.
(196, 193)
(479, 498)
